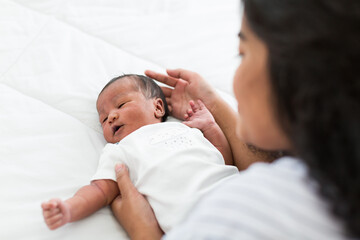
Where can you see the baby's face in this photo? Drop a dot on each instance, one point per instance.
(122, 109)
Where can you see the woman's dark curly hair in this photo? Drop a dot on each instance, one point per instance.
(314, 65)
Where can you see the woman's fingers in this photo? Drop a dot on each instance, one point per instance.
(167, 91)
(168, 101)
(180, 73)
(132, 210)
(125, 185)
(168, 80)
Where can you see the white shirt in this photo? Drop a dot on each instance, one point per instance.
(267, 201)
(171, 164)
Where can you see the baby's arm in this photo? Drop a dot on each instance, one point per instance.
(86, 201)
(201, 118)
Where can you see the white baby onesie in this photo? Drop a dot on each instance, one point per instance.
(171, 164)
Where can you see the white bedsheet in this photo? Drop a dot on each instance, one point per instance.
(55, 56)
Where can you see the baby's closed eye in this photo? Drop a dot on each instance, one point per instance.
(122, 104)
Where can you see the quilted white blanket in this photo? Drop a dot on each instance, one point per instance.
(55, 57)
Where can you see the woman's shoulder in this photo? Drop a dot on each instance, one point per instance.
(266, 201)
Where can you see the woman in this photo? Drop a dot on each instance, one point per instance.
(298, 89)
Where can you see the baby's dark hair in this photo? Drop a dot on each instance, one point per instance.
(147, 86)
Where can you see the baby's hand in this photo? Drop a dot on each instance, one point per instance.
(198, 116)
(56, 213)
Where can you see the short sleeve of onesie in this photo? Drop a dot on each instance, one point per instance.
(112, 154)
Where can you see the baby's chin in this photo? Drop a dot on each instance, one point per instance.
(116, 139)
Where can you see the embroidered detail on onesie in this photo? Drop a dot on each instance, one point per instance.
(172, 138)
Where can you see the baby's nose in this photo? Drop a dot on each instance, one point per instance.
(113, 116)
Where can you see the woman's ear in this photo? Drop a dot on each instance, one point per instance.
(159, 108)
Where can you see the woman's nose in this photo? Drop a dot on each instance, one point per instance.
(113, 116)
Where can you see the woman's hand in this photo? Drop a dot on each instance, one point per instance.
(186, 85)
(132, 210)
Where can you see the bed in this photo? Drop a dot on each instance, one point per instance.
(55, 57)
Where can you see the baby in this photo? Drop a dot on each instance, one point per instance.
(172, 164)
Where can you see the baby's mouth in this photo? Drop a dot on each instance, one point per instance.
(116, 129)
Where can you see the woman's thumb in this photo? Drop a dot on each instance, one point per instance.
(123, 180)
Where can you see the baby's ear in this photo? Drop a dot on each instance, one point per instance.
(159, 108)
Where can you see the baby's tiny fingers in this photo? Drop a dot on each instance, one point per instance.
(46, 205)
(201, 104)
(51, 212)
(190, 112)
(187, 123)
(193, 106)
(56, 224)
(53, 203)
(52, 220)
(55, 211)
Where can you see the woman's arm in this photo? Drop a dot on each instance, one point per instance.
(244, 154)
(187, 85)
(86, 201)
